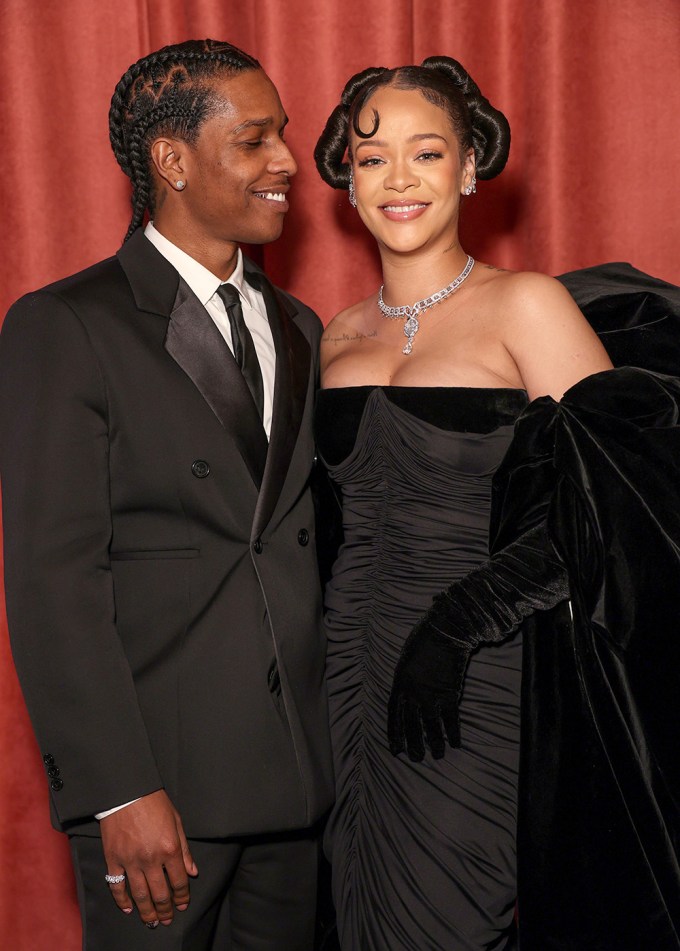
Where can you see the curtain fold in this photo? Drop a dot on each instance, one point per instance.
(592, 92)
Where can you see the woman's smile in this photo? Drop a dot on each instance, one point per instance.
(404, 210)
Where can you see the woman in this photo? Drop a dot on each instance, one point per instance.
(422, 383)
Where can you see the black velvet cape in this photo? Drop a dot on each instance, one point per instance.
(599, 794)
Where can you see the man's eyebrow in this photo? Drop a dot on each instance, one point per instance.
(380, 144)
(257, 124)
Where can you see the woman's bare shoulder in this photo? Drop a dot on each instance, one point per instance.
(545, 332)
(525, 287)
(525, 298)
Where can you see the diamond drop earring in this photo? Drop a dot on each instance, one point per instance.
(352, 193)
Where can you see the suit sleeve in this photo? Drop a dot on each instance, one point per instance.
(54, 443)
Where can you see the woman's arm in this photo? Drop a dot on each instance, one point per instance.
(482, 608)
(547, 336)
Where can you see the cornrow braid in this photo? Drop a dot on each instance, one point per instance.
(442, 81)
(167, 92)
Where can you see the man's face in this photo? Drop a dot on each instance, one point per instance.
(238, 170)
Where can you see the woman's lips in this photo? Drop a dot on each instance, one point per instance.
(404, 211)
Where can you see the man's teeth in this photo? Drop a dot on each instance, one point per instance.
(273, 196)
(398, 208)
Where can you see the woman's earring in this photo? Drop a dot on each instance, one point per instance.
(180, 185)
(471, 189)
(352, 193)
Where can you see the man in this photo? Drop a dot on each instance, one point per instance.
(162, 589)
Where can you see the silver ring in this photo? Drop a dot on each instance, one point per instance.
(115, 879)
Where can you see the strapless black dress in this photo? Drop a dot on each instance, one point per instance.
(422, 854)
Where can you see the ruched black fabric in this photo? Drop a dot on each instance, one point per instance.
(423, 854)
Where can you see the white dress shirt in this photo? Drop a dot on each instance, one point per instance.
(204, 284)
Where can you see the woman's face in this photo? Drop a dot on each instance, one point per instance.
(409, 176)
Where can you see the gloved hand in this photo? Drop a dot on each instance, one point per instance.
(484, 607)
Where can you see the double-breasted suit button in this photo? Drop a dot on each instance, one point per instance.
(258, 546)
(57, 784)
(303, 537)
(48, 759)
(53, 772)
(200, 468)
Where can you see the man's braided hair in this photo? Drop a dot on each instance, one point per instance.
(166, 93)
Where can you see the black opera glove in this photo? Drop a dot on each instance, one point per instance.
(482, 608)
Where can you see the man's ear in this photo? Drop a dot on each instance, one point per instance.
(168, 158)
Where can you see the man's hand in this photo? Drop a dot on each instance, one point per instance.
(147, 842)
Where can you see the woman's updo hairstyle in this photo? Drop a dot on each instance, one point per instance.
(168, 92)
(443, 82)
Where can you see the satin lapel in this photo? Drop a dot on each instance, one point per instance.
(152, 278)
(293, 360)
(195, 343)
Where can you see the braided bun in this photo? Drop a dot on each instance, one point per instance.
(442, 81)
(490, 128)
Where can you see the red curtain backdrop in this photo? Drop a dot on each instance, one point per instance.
(592, 92)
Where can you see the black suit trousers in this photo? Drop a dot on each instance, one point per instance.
(253, 894)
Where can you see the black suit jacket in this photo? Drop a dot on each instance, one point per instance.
(162, 587)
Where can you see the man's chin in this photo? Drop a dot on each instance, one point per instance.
(264, 236)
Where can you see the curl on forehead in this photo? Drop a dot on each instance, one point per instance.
(434, 89)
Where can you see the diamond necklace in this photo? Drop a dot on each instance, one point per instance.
(411, 311)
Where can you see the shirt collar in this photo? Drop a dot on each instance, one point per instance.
(201, 281)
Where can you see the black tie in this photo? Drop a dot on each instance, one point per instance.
(242, 342)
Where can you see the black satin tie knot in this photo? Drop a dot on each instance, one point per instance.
(242, 343)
